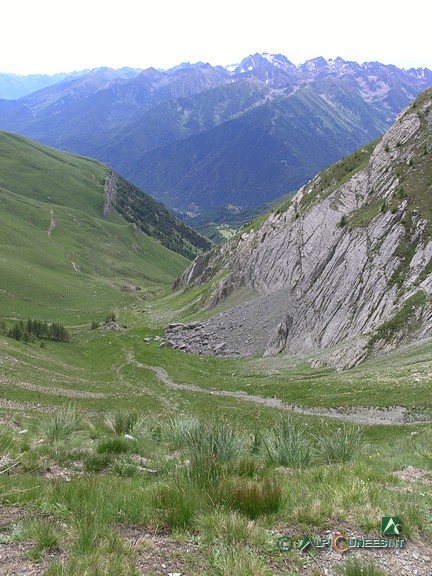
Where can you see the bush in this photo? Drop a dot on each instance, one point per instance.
(111, 317)
(342, 222)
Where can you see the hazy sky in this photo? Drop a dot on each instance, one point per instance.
(48, 36)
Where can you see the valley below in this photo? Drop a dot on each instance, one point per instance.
(171, 407)
(114, 440)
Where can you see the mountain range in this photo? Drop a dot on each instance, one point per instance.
(199, 137)
(342, 269)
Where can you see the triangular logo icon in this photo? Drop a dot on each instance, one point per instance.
(390, 525)
(306, 543)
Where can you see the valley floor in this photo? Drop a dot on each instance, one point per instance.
(121, 457)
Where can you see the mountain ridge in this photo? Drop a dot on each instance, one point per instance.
(77, 236)
(153, 126)
(343, 267)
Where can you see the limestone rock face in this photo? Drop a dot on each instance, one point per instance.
(346, 266)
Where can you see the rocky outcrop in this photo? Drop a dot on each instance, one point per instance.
(110, 191)
(336, 266)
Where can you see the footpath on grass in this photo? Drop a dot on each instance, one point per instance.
(389, 415)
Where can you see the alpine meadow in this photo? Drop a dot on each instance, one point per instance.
(237, 385)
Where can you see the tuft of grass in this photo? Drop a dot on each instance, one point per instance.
(211, 450)
(175, 505)
(179, 431)
(7, 441)
(128, 422)
(357, 567)
(254, 498)
(248, 466)
(44, 534)
(217, 440)
(122, 467)
(116, 445)
(104, 555)
(341, 445)
(288, 444)
(238, 560)
(97, 462)
(8, 450)
(230, 528)
(31, 461)
(61, 425)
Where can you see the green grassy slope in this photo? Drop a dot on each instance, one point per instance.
(59, 258)
(92, 501)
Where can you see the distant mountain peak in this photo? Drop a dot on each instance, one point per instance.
(264, 59)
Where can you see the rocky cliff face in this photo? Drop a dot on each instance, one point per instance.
(346, 266)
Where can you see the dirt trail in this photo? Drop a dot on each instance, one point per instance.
(391, 415)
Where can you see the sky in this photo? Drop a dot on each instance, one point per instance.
(51, 36)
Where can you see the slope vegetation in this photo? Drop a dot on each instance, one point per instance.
(65, 249)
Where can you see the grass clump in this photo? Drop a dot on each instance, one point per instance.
(254, 498)
(288, 444)
(180, 431)
(238, 560)
(116, 445)
(128, 422)
(60, 426)
(176, 504)
(8, 450)
(103, 555)
(212, 449)
(230, 528)
(45, 535)
(95, 462)
(122, 467)
(356, 567)
(216, 440)
(341, 445)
